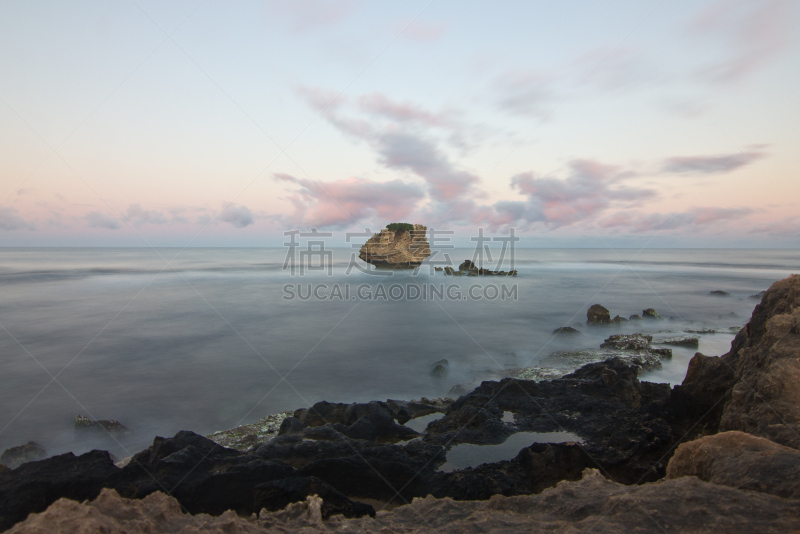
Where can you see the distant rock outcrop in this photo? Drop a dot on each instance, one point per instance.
(397, 249)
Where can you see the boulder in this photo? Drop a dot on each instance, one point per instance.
(650, 313)
(16, 456)
(400, 249)
(597, 314)
(741, 461)
(634, 317)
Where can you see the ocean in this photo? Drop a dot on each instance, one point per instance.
(208, 339)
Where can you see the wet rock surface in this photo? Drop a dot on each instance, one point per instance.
(566, 331)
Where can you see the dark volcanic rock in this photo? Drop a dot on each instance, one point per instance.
(719, 293)
(16, 456)
(621, 420)
(33, 486)
(566, 331)
(202, 475)
(372, 421)
(278, 494)
(741, 461)
(597, 314)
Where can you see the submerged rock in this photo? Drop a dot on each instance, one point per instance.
(401, 249)
(758, 296)
(679, 341)
(566, 331)
(597, 315)
(108, 425)
(719, 293)
(16, 456)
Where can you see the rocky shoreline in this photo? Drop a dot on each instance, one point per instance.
(718, 452)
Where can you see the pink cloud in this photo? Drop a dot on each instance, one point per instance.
(349, 201)
(710, 164)
(379, 104)
(591, 188)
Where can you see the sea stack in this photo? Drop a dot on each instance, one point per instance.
(399, 246)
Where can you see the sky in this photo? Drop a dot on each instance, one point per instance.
(577, 123)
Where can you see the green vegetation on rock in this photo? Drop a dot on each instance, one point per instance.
(395, 227)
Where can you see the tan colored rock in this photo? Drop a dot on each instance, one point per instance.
(741, 461)
(402, 249)
(593, 503)
(754, 388)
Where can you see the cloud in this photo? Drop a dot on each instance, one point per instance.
(309, 15)
(653, 222)
(409, 152)
(137, 215)
(10, 219)
(750, 34)
(381, 105)
(786, 227)
(345, 202)
(419, 31)
(529, 93)
(238, 216)
(394, 132)
(710, 164)
(95, 219)
(590, 188)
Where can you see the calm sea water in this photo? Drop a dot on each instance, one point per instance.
(210, 342)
